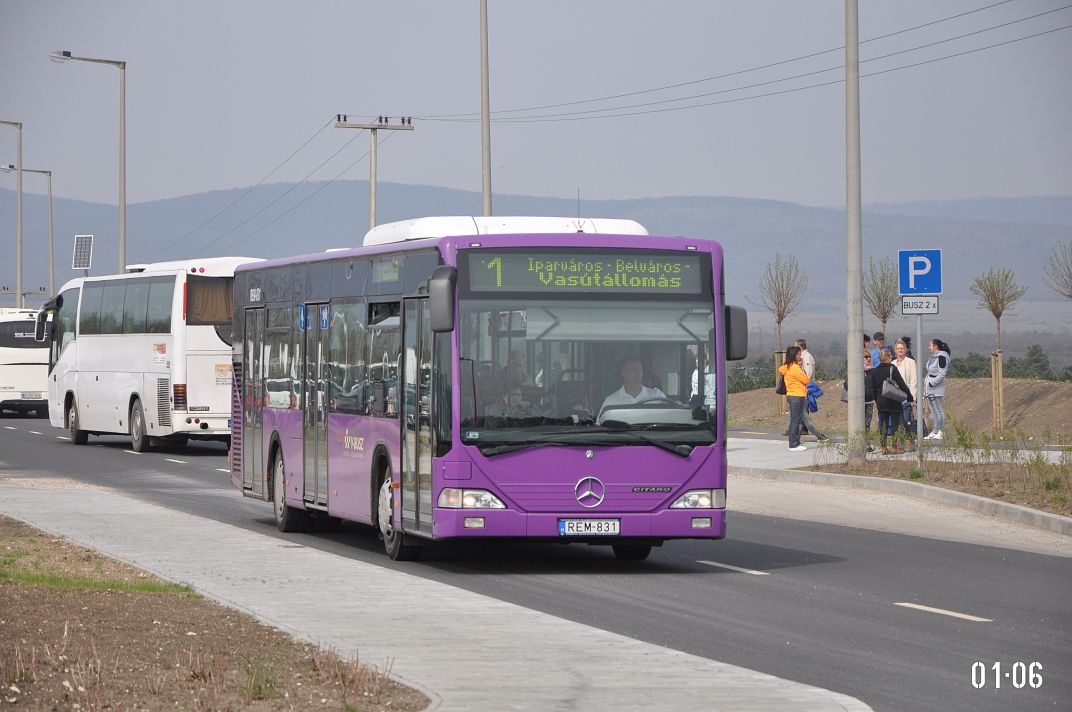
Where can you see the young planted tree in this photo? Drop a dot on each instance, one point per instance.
(1059, 270)
(782, 289)
(997, 291)
(881, 291)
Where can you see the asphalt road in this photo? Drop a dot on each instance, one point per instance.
(807, 601)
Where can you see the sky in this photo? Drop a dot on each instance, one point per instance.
(223, 95)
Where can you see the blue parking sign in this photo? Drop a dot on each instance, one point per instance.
(920, 271)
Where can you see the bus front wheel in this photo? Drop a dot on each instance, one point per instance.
(287, 518)
(393, 540)
(78, 437)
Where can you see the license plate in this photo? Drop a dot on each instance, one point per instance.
(588, 527)
(32, 395)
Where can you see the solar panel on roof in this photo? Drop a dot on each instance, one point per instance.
(83, 252)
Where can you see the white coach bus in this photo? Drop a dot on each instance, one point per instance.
(145, 353)
(23, 364)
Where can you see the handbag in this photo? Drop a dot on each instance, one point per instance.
(892, 391)
(779, 385)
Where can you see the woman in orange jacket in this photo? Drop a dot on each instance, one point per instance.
(796, 392)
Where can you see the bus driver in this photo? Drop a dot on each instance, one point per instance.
(632, 390)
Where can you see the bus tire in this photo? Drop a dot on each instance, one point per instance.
(394, 541)
(139, 440)
(631, 552)
(287, 518)
(78, 437)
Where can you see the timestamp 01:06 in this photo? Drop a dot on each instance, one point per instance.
(1019, 675)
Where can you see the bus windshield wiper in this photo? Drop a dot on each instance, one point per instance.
(503, 448)
(617, 426)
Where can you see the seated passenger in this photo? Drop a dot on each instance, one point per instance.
(632, 390)
(511, 404)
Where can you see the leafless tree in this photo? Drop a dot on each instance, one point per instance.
(881, 291)
(1059, 270)
(997, 292)
(782, 288)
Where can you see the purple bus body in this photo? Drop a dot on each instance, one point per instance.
(537, 485)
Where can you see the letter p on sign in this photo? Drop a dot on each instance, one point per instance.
(920, 271)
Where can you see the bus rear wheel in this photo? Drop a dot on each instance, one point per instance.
(287, 518)
(631, 552)
(78, 437)
(139, 440)
(394, 541)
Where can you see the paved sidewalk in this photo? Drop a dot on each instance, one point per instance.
(466, 652)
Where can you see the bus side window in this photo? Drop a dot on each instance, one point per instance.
(158, 313)
(89, 318)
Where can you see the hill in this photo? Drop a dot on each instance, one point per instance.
(269, 220)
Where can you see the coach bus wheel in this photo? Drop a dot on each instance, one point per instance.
(139, 441)
(631, 552)
(287, 518)
(78, 437)
(393, 540)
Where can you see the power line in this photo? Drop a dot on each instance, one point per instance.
(306, 198)
(783, 91)
(244, 194)
(283, 195)
(722, 76)
(603, 113)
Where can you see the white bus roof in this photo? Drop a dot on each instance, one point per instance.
(213, 264)
(455, 225)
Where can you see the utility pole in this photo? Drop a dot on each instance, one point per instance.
(853, 237)
(51, 263)
(383, 123)
(485, 108)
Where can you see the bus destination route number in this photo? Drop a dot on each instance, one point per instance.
(607, 272)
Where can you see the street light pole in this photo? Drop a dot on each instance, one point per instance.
(383, 122)
(853, 236)
(51, 262)
(64, 55)
(18, 216)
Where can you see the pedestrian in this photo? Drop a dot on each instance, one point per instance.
(934, 386)
(870, 362)
(906, 366)
(796, 392)
(889, 409)
(878, 343)
(807, 362)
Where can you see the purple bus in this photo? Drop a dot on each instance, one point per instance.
(546, 379)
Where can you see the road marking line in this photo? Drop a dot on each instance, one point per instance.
(752, 432)
(181, 462)
(944, 612)
(34, 432)
(62, 437)
(222, 470)
(734, 568)
(10, 428)
(131, 452)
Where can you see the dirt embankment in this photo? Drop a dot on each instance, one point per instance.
(1040, 409)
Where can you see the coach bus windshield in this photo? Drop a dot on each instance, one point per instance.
(569, 371)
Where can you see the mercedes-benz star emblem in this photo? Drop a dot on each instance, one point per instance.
(590, 492)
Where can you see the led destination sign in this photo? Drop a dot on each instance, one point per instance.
(606, 272)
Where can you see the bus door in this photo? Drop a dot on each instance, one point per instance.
(416, 412)
(315, 403)
(253, 472)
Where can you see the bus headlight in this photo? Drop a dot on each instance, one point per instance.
(454, 498)
(701, 499)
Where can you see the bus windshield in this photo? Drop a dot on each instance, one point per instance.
(568, 371)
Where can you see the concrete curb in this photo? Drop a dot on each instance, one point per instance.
(917, 490)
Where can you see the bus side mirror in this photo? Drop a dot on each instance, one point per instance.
(43, 328)
(441, 289)
(736, 328)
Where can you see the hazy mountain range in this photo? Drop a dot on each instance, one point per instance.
(281, 219)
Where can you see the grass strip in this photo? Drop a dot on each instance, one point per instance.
(52, 580)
